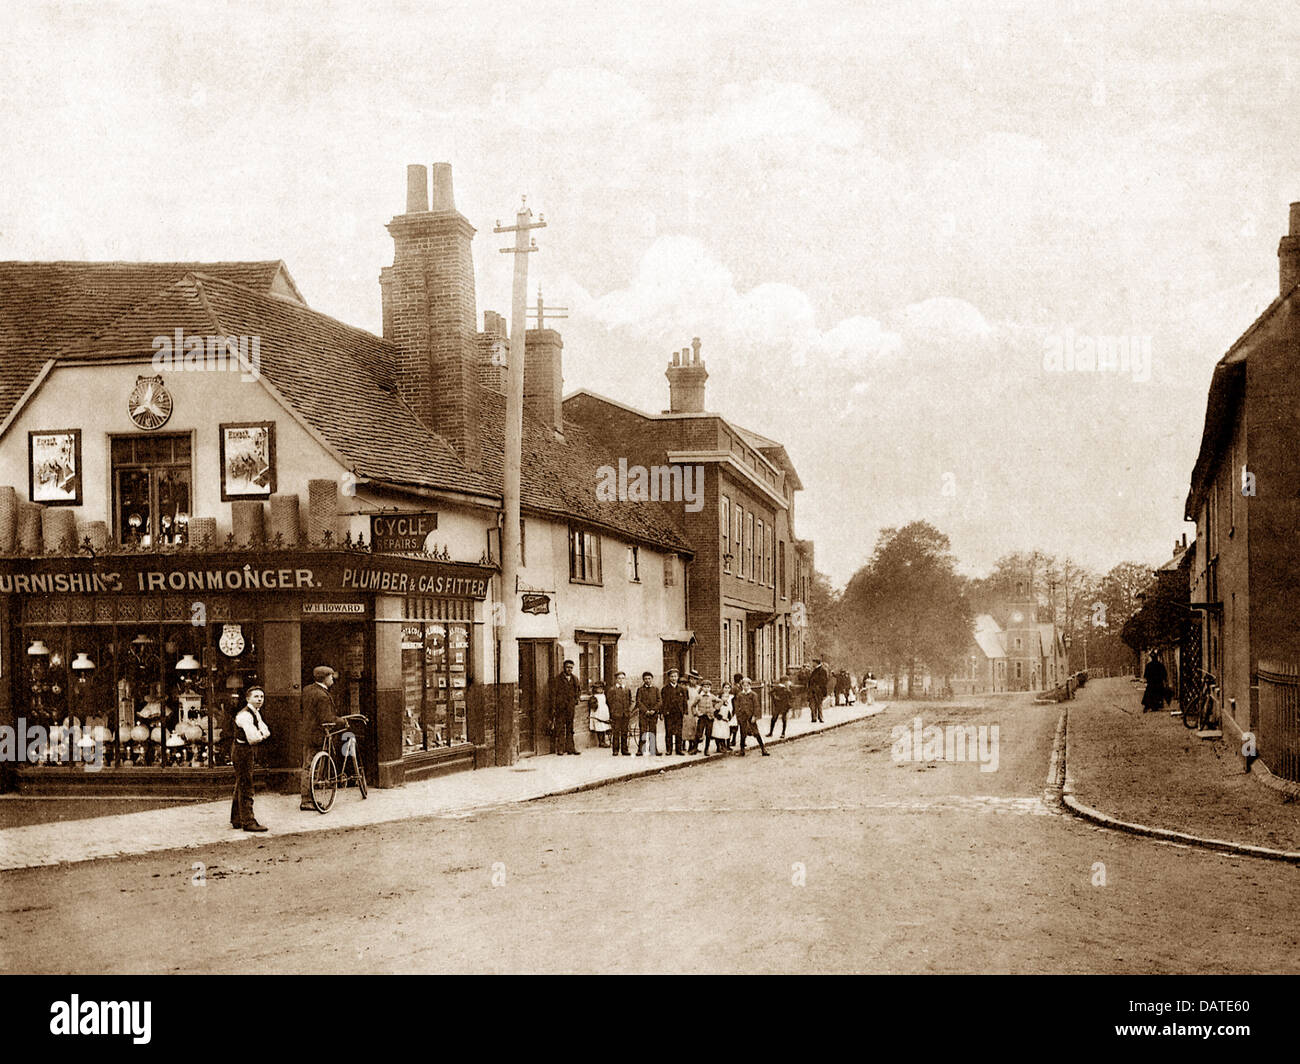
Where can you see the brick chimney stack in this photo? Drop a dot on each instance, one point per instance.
(544, 377)
(686, 376)
(493, 352)
(430, 314)
(1288, 253)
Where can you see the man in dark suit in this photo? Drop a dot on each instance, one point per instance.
(672, 700)
(317, 709)
(565, 690)
(818, 684)
(619, 700)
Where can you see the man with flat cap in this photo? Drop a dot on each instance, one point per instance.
(317, 709)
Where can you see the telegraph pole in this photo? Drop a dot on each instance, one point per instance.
(507, 648)
(543, 312)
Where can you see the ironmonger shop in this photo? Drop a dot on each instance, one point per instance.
(129, 663)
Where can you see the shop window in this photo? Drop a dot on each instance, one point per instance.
(135, 693)
(151, 488)
(584, 557)
(435, 678)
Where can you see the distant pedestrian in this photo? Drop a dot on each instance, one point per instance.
(691, 718)
(647, 709)
(1157, 678)
(782, 696)
(747, 713)
(598, 715)
(565, 691)
(619, 699)
(818, 684)
(672, 704)
(250, 730)
(720, 724)
(729, 713)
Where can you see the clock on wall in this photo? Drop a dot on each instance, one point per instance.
(150, 404)
(232, 640)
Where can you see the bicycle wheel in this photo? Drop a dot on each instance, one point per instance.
(1192, 712)
(1210, 714)
(324, 782)
(361, 777)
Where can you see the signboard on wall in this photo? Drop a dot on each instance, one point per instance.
(403, 533)
(275, 572)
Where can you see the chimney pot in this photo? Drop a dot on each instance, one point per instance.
(443, 200)
(695, 347)
(417, 188)
(1288, 254)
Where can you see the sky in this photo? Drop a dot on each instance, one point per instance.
(882, 219)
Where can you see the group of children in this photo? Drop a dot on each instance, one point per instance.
(711, 718)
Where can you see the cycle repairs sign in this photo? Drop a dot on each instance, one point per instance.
(401, 533)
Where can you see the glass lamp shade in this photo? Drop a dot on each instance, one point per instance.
(82, 662)
(38, 649)
(189, 663)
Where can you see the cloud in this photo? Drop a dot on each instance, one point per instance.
(765, 110)
(572, 98)
(679, 287)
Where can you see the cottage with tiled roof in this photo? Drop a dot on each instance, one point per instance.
(205, 483)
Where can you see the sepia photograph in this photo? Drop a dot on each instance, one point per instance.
(709, 488)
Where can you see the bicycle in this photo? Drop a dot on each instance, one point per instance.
(1202, 712)
(326, 774)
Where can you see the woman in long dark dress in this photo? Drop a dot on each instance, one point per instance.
(1157, 679)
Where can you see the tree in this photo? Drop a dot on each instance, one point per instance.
(1117, 597)
(908, 604)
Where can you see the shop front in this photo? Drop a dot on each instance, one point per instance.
(120, 673)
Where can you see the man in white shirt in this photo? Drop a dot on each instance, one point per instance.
(250, 730)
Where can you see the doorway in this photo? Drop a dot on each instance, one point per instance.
(536, 665)
(346, 649)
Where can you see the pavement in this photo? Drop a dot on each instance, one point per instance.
(1146, 773)
(459, 795)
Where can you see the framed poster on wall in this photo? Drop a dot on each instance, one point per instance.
(247, 460)
(54, 467)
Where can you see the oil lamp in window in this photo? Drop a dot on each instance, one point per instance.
(191, 706)
(134, 521)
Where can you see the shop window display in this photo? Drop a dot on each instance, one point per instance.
(436, 676)
(133, 694)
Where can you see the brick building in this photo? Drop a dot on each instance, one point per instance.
(751, 576)
(1245, 577)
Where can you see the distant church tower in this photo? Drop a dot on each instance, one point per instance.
(1024, 657)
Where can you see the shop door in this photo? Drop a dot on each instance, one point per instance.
(536, 664)
(345, 648)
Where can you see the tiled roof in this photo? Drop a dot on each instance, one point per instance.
(45, 306)
(341, 381)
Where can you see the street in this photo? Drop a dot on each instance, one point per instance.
(828, 856)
